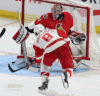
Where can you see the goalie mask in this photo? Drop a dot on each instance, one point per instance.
(38, 29)
(56, 11)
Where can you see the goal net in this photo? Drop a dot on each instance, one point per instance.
(83, 22)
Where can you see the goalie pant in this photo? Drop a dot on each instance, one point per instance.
(49, 46)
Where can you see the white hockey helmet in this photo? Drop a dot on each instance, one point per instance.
(38, 29)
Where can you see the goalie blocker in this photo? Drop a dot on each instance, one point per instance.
(21, 35)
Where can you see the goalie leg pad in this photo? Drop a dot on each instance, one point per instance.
(82, 64)
(20, 62)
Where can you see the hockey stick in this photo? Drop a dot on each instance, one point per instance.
(23, 43)
(11, 69)
(2, 32)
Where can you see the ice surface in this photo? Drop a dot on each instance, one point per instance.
(4, 60)
(25, 83)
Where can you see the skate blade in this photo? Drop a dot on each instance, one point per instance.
(42, 91)
(65, 84)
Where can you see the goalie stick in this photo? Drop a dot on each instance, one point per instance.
(2, 32)
(23, 43)
(12, 70)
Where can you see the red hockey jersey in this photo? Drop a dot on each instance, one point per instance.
(47, 21)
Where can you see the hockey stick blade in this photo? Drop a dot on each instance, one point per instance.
(2, 32)
(10, 68)
(18, 69)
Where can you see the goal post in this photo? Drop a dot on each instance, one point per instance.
(85, 14)
(70, 5)
(88, 19)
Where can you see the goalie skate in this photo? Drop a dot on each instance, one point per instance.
(64, 78)
(42, 89)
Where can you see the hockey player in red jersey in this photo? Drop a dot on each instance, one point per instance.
(58, 20)
(55, 20)
(50, 45)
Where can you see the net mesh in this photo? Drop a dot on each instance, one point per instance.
(34, 10)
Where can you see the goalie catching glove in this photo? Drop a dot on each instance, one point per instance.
(21, 35)
(77, 38)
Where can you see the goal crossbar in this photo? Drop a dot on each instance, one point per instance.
(53, 2)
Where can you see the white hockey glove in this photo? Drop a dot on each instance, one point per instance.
(21, 35)
(36, 29)
(77, 38)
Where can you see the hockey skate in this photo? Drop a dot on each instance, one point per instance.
(42, 89)
(64, 77)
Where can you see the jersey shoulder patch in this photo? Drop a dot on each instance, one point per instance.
(40, 18)
(45, 16)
